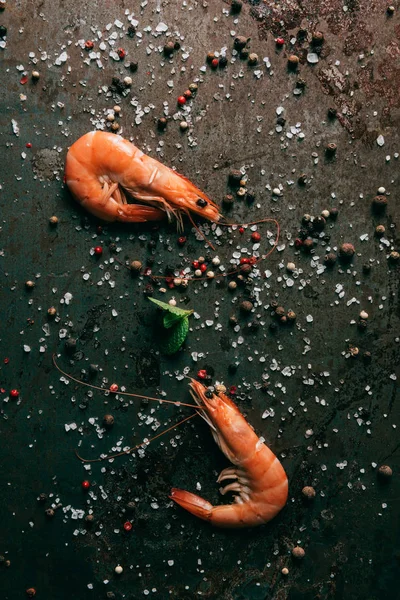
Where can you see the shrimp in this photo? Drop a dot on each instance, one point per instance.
(260, 482)
(101, 168)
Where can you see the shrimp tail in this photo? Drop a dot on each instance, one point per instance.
(192, 503)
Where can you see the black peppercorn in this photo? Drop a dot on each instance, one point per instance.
(236, 6)
(332, 113)
(244, 54)
(131, 31)
(222, 62)
(162, 123)
(233, 320)
(333, 213)
(302, 179)
(318, 223)
(3, 31)
(240, 42)
(273, 327)
(177, 45)
(133, 66)
(281, 121)
(302, 33)
(273, 304)
(250, 196)
(70, 345)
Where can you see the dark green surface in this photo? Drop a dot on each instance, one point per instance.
(351, 542)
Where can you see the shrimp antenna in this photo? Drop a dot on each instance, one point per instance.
(199, 231)
(96, 387)
(142, 444)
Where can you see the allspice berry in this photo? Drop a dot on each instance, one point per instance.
(317, 38)
(228, 200)
(331, 149)
(346, 251)
(49, 512)
(29, 284)
(293, 61)
(51, 312)
(308, 244)
(298, 552)
(379, 203)
(246, 306)
(169, 48)
(246, 269)
(53, 220)
(162, 123)
(280, 311)
(31, 592)
(136, 267)
(330, 259)
(253, 59)
(385, 472)
(89, 518)
(291, 316)
(108, 420)
(380, 230)
(394, 256)
(308, 492)
(235, 177)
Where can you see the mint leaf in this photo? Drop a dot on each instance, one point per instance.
(170, 320)
(175, 337)
(171, 309)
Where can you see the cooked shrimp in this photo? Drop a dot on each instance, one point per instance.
(101, 168)
(260, 482)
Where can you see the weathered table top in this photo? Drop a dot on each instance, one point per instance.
(326, 408)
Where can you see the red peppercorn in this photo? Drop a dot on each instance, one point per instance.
(244, 261)
(255, 236)
(252, 260)
(214, 63)
(6, 360)
(279, 41)
(14, 394)
(195, 264)
(85, 484)
(28, 145)
(147, 271)
(99, 230)
(203, 267)
(181, 100)
(114, 387)
(89, 45)
(121, 53)
(128, 525)
(171, 285)
(202, 374)
(241, 229)
(98, 251)
(182, 241)
(298, 243)
(187, 94)
(232, 389)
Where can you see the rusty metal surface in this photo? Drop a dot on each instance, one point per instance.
(350, 530)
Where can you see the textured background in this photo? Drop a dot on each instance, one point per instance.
(350, 531)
